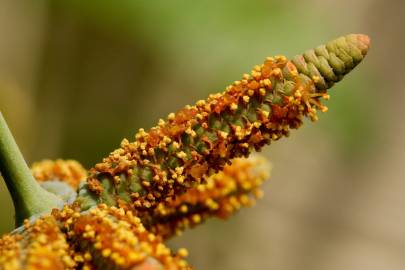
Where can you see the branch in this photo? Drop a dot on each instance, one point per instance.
(28, 197)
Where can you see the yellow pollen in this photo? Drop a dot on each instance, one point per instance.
(182, 252)
(223, 134)
(180, 179)
(277, 72)
(234, 107)
(196, 218)
(200, 103)
(245, 145)
(179, 170)
(265, 113)
(267, 82)
(166, 139)
(181, 155)
(257, 124)
(184, 208)
(280, 58)
(171, 116)
(176, 145)
(106, 252)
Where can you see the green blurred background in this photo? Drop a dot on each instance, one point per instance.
(78, 76)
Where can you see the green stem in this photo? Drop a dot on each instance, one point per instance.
(28, 197)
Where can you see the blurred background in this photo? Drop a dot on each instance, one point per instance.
(78, 76)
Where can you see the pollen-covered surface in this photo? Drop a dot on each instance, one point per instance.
(199, 140)
(112, 238)
(10, 252)
(68, 171)
(222, 195)
(41, 245)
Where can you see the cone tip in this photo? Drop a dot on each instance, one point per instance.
(364, 43)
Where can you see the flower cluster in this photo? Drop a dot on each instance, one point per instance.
(113, 238)
(40, 245)
(223, 193)
(199, 140)
(68, 171)
(181, 172)
(103, 238)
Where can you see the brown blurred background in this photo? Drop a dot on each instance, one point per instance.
(78, 76)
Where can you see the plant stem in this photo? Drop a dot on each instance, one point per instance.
(28, 197)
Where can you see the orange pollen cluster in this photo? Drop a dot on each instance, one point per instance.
(116, 239)
(40, 246)
(68, 171)
(224, 193)
(199, 140)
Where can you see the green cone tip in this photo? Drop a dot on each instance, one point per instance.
(329, 63)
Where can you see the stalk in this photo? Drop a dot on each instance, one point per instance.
(28, 197)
